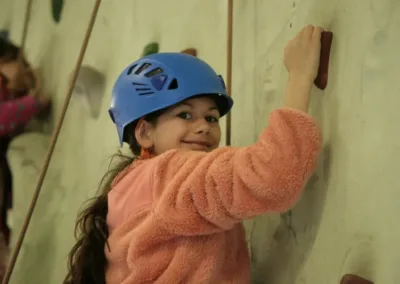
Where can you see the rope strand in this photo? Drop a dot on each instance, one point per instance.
(25, 28)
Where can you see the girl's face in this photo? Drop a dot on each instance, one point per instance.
(17, 74)
(191, 125)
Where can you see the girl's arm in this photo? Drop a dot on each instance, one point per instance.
(17, 112)
(201, 193)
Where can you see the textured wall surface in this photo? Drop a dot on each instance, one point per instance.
(346, 220)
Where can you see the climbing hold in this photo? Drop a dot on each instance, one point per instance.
(322, 78)
(89, 89)
(354, 279)
(150, 49)
(191, 51)
(57, 7)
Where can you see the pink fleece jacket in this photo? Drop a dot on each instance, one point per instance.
(176, 218)
(15, 112)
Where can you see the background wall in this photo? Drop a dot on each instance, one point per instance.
(347, 218)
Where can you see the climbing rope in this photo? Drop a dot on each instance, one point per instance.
(28, 10)
(229, 68)
(52, 144)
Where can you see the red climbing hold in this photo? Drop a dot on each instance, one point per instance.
(191, 51)
(354, 279)
(322, 78)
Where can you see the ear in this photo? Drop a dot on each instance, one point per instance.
(143, 134)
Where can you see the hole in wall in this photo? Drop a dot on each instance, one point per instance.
(57, 8)
(89, 89)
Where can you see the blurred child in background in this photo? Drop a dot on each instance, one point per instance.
(20, 101)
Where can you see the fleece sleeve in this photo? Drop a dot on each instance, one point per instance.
(17, 112)
(201, 193)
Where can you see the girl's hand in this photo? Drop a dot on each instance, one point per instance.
(36, 79)
(302, 54)
(42, 98)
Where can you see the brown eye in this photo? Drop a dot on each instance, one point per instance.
(212, 119)
(185, 115)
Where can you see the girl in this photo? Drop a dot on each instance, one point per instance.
(173, 215)
(19, 90)
(18, 106)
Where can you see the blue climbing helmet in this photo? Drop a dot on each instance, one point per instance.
(161, 80)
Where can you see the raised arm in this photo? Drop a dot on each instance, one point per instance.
(200, 193)
(17, 112)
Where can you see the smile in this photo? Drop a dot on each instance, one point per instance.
(198, 144)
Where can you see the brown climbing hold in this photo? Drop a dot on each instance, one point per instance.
(322, 78)
(191, 51)
(354, 279)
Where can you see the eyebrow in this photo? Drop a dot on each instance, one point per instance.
(190, 105)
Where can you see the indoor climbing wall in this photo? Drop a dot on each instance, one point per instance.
(124, 30)
(346, 221)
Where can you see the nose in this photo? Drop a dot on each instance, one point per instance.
(202, 126)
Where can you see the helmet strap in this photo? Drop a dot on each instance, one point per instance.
(145, 154)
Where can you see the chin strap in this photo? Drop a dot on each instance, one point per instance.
(145, 154)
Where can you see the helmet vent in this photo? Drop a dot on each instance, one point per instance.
(131, 69)
(146, 93)
(153, 72)
(173, 85)
(142, 89)
(142, 68)
(138, 84)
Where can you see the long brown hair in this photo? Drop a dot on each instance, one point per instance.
(10, 52)
(87, 261)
